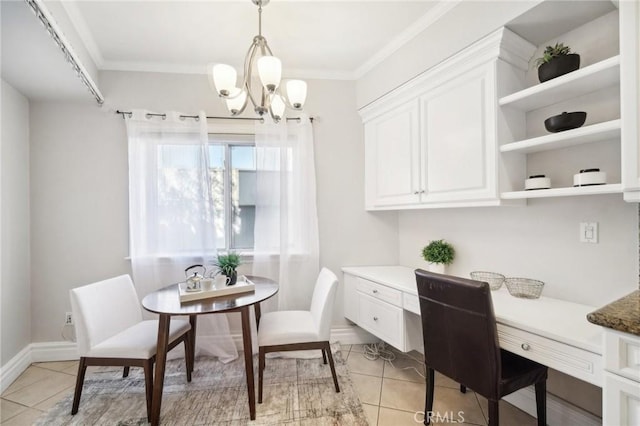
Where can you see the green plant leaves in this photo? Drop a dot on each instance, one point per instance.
(439, 251)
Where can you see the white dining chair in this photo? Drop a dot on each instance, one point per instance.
(282, 331)
(110, 331)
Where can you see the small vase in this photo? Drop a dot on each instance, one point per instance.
(438, 268)
(558, 66)
(233, 278)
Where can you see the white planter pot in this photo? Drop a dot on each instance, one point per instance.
(438, 268)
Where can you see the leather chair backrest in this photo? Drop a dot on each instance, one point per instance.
(103, 309)
(459, 330)
(322, 302)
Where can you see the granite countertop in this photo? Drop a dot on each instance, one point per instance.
(621, 315)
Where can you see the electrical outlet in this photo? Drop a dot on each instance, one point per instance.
(68, 318)
(589, 232)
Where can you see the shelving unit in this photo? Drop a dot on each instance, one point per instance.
(606, 131)
(599, 75)
(615, 188)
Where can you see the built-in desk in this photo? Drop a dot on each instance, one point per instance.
(384, 301)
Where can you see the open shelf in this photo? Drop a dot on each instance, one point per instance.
(607, 130)
(580, 82)
(615, 188)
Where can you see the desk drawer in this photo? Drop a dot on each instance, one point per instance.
(380, 292)
(622, 354)
(382, 320)
(568, 359)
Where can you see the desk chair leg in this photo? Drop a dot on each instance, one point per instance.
(463, 389)
(327, 350)
(82, 368)
(147, 366)
(494, 410)
(541, 402)
(324, 357)
(260, 372)
(125, 372)
(428, 402)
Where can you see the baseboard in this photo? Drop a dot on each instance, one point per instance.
(14, 368)
(559, 412)
(54, 351)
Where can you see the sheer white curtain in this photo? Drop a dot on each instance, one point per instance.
(286, 227)
(171, 211)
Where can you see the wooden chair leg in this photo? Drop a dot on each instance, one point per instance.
(327, 350)
(82, 368)
(125, 372)
(148, 385)
(541, 402)
(260, 372)
(494, 413)
(188, 357)
(428, 402)
(463, 388)
(324, 357)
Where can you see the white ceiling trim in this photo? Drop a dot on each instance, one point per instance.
(202, 70)
(75, 16)
(432, 15)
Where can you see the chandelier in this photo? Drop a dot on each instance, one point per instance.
(271, 98)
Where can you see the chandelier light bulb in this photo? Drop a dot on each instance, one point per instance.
(277, 107)
(270, 71)
(297, 93)
(236, 101)
(224, 78)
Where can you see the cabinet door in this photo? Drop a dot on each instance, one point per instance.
(621, 401)
(392, 165)
(458, 129)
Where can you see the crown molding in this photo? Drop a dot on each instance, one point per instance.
(78, 21)
(428, 19)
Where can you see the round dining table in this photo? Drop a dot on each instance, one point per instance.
(166, 303)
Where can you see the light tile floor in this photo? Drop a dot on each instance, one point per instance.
(391, 393)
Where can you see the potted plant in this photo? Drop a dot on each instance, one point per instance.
(439, 253)
(556, 61)
(227, 264)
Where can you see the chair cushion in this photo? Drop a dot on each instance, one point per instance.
(138, 341)
(285, 327)
(519, 372)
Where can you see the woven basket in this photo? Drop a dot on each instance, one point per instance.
(524, 287)
(494, 279)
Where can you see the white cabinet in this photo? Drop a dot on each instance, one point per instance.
(392, 156)
(433, 141)
(630, 108)
(621, 392)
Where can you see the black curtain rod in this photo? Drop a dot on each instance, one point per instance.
(150, 114)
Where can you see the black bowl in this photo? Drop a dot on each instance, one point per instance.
(565, 121)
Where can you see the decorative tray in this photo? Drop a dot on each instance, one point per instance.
(243, 285)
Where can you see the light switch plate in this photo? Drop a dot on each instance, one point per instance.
(589, 232)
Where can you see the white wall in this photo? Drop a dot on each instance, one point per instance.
(79, 184)
(15, 288)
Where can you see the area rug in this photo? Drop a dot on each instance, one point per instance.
(296, 392)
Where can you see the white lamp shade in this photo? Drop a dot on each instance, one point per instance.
(270, 71)
(277, 106)
(224, 78)
(297, 93)
(236, 103)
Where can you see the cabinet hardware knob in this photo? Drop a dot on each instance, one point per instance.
(422, 192)
(525, 346)
(375, 318)
(375, 291)
(416, 192)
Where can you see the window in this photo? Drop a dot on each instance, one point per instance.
(233, 189)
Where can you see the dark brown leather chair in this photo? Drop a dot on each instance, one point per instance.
(461, 342)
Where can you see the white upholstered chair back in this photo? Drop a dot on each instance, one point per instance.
(322, 302)
(103, 309)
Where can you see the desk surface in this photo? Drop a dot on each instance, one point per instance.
(563, 321)
(167, 299)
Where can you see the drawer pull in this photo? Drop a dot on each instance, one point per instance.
(375, 318)
(525, 346)
(375, 291)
